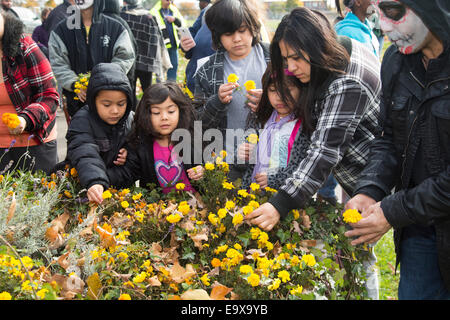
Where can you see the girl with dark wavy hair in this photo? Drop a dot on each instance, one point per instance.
(151, 157)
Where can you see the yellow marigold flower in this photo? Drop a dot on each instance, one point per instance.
(253, 279)
(269, 189)
(296, 214)
(205, 279)
(180, 186)
(254, 204)
(26, 286)
(28, 262)
(184, 208)
(284, 276)
(136, 196)
(222, 228)
(244, 269)
(269, 245)
(221, 249)
(255, 233)
(173, 218)
(247, 210)
(225, 167)
(140, 277)
(209, 166)
(295, 260)
(237, 246)
(254, 186)
(122, 256)
(73, 172)
(5, 296)
(84, 79)
(213, 219)
(219, 160)
(41, 293)
(227, 185)
(77, 90)
(222, 213)
(297, 290)
(11, 120)
(309, 260)
(124, 296)
(215, 262)
(243, 193)
(68, 194)
(77, 85)
(232, 78)
(237, 219)
(351, 216)
(106, 194)
(275, 285)
(124, 204)
(253, 138)
(229, 205)
(223, 154)
(263, 237)
(250, 85)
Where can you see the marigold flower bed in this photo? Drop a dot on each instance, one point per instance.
(140, 244)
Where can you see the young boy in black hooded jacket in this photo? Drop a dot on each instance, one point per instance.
(97, 133)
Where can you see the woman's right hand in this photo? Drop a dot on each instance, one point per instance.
(95, 193)
(226, 91)
(360, 202)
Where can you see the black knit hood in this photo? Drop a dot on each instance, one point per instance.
(435, 14)
(108, 76)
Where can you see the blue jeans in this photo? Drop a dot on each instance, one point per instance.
(420, 278)
(172, 72)
(327, 189)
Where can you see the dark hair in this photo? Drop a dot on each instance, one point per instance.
(227, 16)
(155, 94)
(305, 31)
(265, 109)
(44, 12)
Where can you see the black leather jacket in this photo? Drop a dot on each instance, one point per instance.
(413, 153)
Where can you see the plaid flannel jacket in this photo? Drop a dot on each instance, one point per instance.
(148, 37)
(31, 86)
(347, 116)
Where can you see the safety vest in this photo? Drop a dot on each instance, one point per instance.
(156, 12)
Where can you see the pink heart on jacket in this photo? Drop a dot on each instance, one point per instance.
(167, 173)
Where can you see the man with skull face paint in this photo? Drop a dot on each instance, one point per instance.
(77, 45)
(413, 153)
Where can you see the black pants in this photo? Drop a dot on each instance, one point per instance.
(144, 77)
(41, 157)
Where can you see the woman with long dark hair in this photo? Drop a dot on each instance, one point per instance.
(339, 108)
(338, 105)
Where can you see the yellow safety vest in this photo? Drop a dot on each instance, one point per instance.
(155, 11)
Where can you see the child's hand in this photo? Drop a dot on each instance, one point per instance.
(254, 96)
(225, 92)
(95, 193)
(82, 95)
(195, 173)
(245, 150)
(261, 179)
(121, 157)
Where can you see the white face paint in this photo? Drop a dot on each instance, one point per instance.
(403, 27)
(84, 4)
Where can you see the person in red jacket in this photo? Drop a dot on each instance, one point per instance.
(28, 92)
